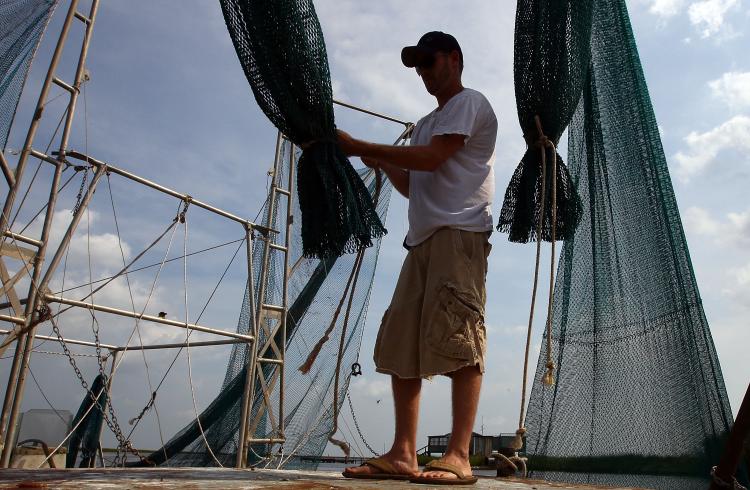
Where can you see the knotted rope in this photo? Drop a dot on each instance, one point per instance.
(543, 143)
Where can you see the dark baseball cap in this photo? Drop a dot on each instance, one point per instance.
(423, 54)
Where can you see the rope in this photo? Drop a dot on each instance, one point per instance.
(187, 335)
(357, 266)
(543, 142)
(343, 445)
(180, 257)
(305, 368)
(152, 402)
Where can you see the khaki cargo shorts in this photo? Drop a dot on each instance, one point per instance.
(435, 323)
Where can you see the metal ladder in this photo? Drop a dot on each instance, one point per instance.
(269, 352)
(25, 322)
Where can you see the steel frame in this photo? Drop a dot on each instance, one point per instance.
(38, 295)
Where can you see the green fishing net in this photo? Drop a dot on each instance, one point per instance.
(88, 425)
(550, 59)
(20, 31)
(639, 388)
(280, 46)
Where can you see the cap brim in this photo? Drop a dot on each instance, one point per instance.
(412, 56)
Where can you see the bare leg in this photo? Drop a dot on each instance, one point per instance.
(403, 453)
(466, 385)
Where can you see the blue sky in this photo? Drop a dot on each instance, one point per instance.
(168, 100)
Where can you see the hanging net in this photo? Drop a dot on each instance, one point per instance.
(315, 289)
(550, 59)
(88, 422)
(20, 32)
(280, 46)
(639, 389)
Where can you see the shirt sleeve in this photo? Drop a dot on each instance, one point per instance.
(458, 117)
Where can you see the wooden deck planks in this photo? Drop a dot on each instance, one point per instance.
(228, 479)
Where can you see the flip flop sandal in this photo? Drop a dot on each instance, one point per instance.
(386, 471)
(437, 465)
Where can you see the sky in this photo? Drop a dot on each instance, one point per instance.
(167, 100)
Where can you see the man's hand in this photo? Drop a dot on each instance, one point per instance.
(372, 163)
(347, 144)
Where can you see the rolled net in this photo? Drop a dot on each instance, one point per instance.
(281, 48)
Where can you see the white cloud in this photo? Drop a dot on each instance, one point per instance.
(735, 230)
(374, 388)
(743, 275)
(699, 221)
(709, 15)
(703, 148)
(733, 88)
(666, 8)
(506, 330)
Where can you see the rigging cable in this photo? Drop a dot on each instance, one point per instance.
(183, 219)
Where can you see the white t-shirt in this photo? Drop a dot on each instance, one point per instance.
(459, 193)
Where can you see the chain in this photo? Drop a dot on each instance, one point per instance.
(79, 197)
(356, 424)
(112, 423)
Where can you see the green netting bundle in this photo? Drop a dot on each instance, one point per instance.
(86, 435)
(280, 46)
(550, 60)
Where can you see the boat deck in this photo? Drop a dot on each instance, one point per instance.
(228, 479)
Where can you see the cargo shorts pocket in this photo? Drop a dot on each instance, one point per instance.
(455, 327)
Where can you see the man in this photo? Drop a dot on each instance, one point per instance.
(435, 323)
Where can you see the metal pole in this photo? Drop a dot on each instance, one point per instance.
(73, 341)
(115, 348)
(168, 191)
(207, 343)
(8, 207)
(366, 111)
(258, 309)
(241, 459)
(9, 176)
(21, 363)
(24, 344)
(116, 311)
(76, 88)
(285, 292)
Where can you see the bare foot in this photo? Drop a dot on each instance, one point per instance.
(405, 464)
(458, 461)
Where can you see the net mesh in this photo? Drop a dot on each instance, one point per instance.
(20, 32)
(315, 288)
(550, 58)
(639, 388)
(281, 49)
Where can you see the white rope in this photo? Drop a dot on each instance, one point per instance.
(543, 143)
(187, 338)
(132, 303)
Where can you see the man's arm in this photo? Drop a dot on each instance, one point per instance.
(425, 158)
(398, 176)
